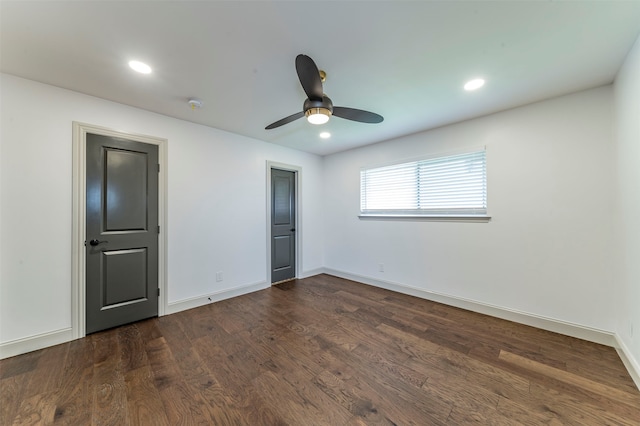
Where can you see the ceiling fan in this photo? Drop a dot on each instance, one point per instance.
(318, 107)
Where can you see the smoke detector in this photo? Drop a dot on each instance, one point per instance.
(195, 103)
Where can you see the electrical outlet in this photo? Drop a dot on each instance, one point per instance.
(218, 276)
(381, 267)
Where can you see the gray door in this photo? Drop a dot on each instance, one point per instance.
(122, 232)
(283, 225)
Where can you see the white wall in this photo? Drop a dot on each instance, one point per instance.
(216, 193)
(546, 251)
(627, 203)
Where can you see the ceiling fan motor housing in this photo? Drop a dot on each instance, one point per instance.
(324, 103)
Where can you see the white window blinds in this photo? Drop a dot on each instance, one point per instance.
(454, 185)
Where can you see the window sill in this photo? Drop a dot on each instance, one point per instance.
(425, 218)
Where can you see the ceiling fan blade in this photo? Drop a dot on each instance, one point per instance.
(357, 115)
(309, 77)
(285, 120)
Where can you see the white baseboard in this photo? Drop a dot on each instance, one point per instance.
(632, 364)
(183, 305)
(311, 273)
(33, 343)
(550, 324)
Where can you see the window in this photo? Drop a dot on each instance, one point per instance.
(454, 185)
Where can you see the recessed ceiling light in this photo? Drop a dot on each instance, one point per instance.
(325, 135)
(140, 67)
(474, 84)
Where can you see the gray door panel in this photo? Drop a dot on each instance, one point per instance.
(282, 252)
(283, 224)
(122, 232)
(124, 277)
(126, 184)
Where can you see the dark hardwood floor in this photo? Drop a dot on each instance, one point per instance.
(320, 351)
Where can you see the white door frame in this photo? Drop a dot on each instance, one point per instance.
(298, 193)
(79, 196)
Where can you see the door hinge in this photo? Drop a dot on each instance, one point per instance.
(158, 168)
(158, 229)
(158, 291)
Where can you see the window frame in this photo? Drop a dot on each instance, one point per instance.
(421, 214)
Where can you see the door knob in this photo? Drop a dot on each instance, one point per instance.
(96, 242)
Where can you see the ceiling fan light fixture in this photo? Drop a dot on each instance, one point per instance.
(317, 115)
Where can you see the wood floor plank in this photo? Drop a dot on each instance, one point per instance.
(322, 350)
(382, 359)
(40, 373)
(182, 403)
(461, 415)
(75, 395)
(572, 409)
(576, 406)
(143, 400)
(409, 343)
(201, 323)
(462, 392)
(529, 413)
(610, 373)
(422, 405)
(19, 365)
(358, 402)
(632, 399)
(132, 353)
(220, 402)
(240, 396)
(36, 410)
(109, 391)
(299, 402)
(47, 375)
(11, 395)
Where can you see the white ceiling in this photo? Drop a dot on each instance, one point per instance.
(404, 60)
